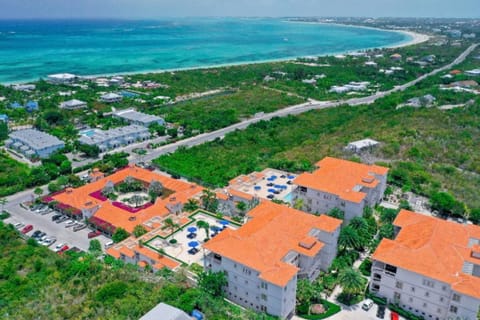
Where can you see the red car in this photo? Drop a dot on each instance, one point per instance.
(63, 249)
(394, 316)
(27, 229)
(94, 234)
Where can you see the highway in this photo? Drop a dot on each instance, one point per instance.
(293, 110)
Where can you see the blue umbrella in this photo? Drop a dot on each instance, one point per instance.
(224, 222)
(271, 190)
(291, 177)
(274, 177)
(193, 244)
(192, 229)
(257, 187)
(215, 228)
(284, 187)
(278, 186)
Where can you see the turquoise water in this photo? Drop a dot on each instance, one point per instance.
(33, 49)
(87, 133)
(288, 198)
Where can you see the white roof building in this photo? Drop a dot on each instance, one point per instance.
(138, 118)
(165, 312)
(73, 104)
(360, 145)
(61, 78)
(474, 72)
(111, 97)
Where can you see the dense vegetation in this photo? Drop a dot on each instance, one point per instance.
(37, 283)
(436, 150)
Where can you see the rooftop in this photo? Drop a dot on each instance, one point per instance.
(102, 136)
(132, 115)
(36, 139)
(81, 197)
(264, 241)
(342, 178)
(443, 246)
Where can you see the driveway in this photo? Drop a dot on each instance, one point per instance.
(356, 312)
(44, 223)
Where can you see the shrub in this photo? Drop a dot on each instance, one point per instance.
(407, 315)
(173, 241)
(366, 267)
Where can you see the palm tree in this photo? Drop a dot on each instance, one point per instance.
(351, 281)
(349, 238)
(191, 205)
(298, 204)
(209, 200)
(204, 225)
(170, 224)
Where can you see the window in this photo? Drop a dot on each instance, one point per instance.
(456, 297)
(264, 285)
(439, 310)
(441, 299)
(413, 289)
(264, 297)
(428, 283)
(396, 296)
(427, 294)
(390, 268)
(399, 285)
(444, 288)
(453, 309)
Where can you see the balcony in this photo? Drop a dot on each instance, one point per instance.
(377, 277)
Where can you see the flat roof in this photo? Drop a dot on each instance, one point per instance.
(434, 248)
(273, 231)
(164, 311)
(132, 115)
(342, 178)
(35, 139)
(102, 136)
(364, 143)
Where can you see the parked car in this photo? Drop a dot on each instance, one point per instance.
(18, 225)
(381, 311)
(62, 219)
(42, 209)
(49, 210)
(59, 246)
(69, 223)
(79, 227)
(109, 244)
(56, 217)
(367, 304)
(27, 229)
(394, 316)
(63, 249)
(48, 242)
(94, 234)
(39, 235)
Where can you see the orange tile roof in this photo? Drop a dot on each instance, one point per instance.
(340, 177)
(80, 197)
(273, 231)
(434, 248)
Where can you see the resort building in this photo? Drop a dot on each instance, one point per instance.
(33, 143)
(342, 184)
(111, 98)
(114, 138)
(73, 104)
(61, 78)
(431, 268)
(264, 258)
(138, 118)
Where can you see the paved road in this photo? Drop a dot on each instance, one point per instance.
(294, 110)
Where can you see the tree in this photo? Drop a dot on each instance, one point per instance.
(444, 202)
(336, 213)
(349, 239)
(298, 203)
(95, 246)
(170, 224)
(3, 131)
(305, 292)
(351, 281)
(204, 225)
(139, 231)
(241, 206)
(38, 191)
(475, 215)
(136, 200)
(209, 200)
(91, 151)
(191, 205)
(120, 235)
(212, 282)
(386, 231)
(155, 187)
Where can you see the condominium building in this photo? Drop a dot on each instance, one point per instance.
(33, 143)
(114, 138)
(347, 185)
(431, 268)
(138, 118)
(264, 258)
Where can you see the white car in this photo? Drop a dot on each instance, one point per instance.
(367, 304)
(59, 246)
(109, 244)
(19, 225)
(48, 242)
(70, 223)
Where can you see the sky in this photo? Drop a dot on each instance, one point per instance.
(137, 9)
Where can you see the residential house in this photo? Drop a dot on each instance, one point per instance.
(474, 72)
(34, 143)
(31, 106)
(111, 97)
(342, 184)
(164, 311)
(265, 257)
(138, 118)
(360, 145)
(73, 104)
(24, 87)
(61, 78)
(431, 268)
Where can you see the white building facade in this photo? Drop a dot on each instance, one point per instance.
(430, 269)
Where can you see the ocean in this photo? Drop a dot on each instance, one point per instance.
(32, 49)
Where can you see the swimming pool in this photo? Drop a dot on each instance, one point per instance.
(88, 132)
(288, 198)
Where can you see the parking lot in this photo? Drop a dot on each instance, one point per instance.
(44, 223)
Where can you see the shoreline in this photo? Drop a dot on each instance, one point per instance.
(416, 38)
